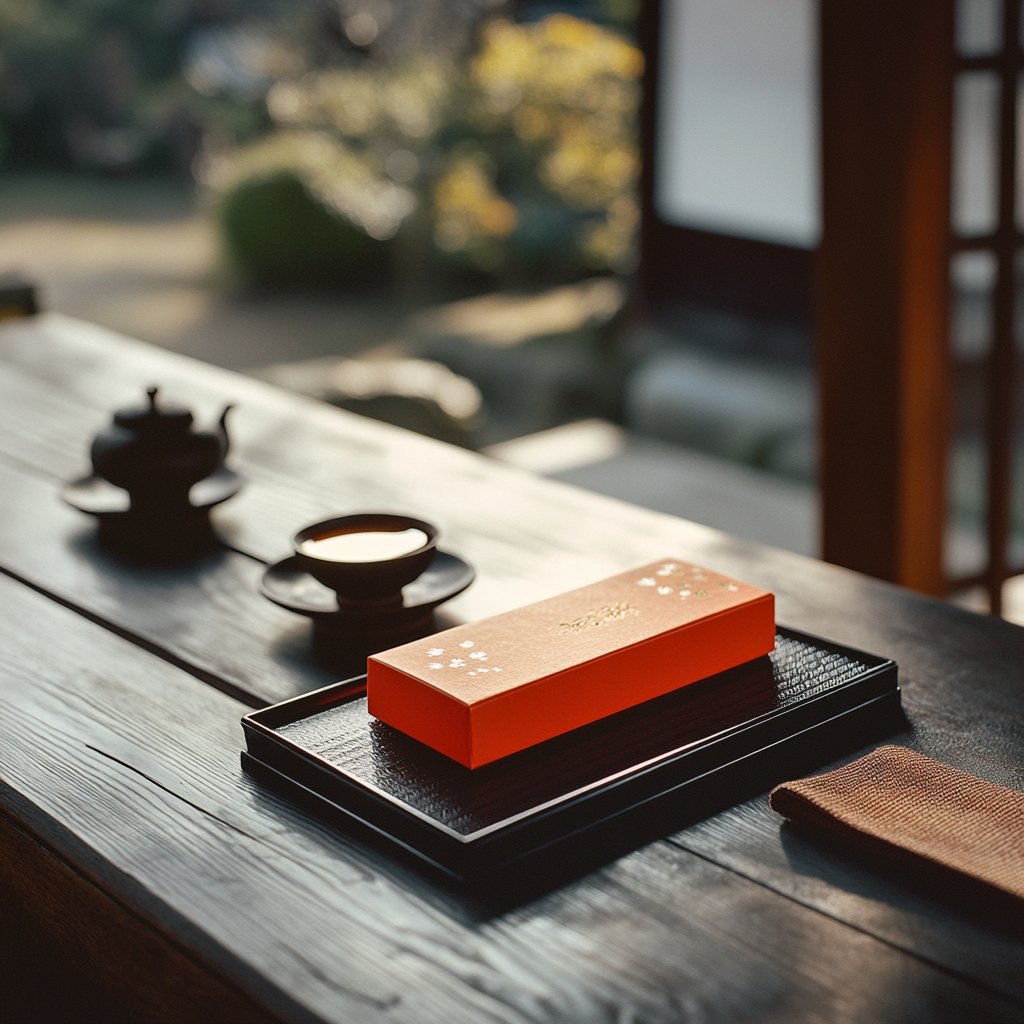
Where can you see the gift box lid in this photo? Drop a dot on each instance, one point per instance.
(483, 690)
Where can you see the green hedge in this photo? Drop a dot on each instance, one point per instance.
(278, 235)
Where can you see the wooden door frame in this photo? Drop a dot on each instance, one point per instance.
(876, 290)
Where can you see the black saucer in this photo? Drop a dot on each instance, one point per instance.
(98, 497)
(287, 585)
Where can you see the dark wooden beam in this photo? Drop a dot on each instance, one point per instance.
(882, 286)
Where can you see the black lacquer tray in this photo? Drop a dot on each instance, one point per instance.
(575, 801)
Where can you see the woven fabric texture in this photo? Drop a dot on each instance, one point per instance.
(910, 803)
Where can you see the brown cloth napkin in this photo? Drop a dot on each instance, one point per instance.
(899, 801)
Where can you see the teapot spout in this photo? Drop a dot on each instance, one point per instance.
(222, 429)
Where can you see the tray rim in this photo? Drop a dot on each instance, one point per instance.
(335, 694)
(360, 819)
(487, 875)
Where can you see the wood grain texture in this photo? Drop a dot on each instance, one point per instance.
(963, 675)
(528, 537)
(207, 616)
(138, 762)
(910, 914)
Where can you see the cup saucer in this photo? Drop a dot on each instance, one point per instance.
(288, 585)
(98, 497)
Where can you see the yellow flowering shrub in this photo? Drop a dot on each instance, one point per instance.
(523, 157)
(570, 89)
(469, 211)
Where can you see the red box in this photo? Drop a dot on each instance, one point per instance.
(485, 690)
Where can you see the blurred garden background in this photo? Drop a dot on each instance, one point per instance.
(426, 211)
(421, 210)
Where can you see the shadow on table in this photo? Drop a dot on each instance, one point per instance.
(94, 546)
(576, 855)
(297, 649)
(910, 884)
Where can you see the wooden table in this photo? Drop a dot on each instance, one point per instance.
(134, 843)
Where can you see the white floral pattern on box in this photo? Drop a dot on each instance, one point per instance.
(687, 580)
(685, 586)
(476, 657)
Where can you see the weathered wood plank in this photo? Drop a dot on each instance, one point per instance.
(208, 616)
(938, 926)
(963, 682)
(528, 538)
(138, 761)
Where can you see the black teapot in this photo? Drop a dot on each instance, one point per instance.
(155, 455)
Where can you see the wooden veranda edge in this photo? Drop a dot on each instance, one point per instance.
(134, 950)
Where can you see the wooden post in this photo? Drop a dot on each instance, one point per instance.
(882, 286)
(1003, 358)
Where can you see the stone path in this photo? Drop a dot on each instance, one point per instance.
(142, 258)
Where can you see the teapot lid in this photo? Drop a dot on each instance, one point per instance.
(151, 418)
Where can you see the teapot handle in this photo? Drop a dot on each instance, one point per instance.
(223, 423)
